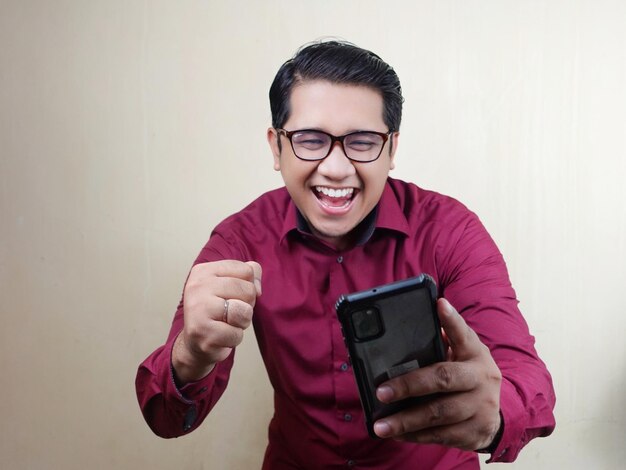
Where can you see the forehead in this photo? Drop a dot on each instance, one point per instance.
(335, 107)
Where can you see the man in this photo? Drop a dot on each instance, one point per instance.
(342, 225)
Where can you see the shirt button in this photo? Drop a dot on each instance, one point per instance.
(351, 463)
(347, 417)
(190, 418)
(340, 259)
(344, 366)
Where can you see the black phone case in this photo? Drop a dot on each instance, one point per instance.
(409, 337)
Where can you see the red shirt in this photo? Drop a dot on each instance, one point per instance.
(318, 422)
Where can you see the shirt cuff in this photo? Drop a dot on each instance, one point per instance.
(192, 392)
(191, 395)
(513, 425)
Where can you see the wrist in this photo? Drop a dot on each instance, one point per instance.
(489, 449)
(186, 367)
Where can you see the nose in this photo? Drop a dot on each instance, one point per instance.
(336, 165)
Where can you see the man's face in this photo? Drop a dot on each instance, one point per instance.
(333, 194)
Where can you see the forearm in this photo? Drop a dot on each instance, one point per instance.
(171, 411)
(476, 282)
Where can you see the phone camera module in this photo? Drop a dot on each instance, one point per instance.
(367, 324)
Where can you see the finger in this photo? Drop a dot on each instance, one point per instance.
(224, 268)
(441, 411)
(239, 314)
(232, 288)
(217, 334)
(462, 339)
(446, 346)
(257, 271)
(440, 377)
(466, 435)
(200, 309)
(233, 268)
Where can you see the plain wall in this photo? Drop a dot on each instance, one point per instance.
(128, 129)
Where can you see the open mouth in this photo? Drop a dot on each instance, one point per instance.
(335, 198)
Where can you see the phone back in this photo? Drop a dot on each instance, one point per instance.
(390, 330)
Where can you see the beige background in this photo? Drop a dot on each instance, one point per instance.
(128, 129)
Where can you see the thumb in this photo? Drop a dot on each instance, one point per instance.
(462, 339)
(258, 273)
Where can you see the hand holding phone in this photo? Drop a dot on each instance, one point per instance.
(464, 408)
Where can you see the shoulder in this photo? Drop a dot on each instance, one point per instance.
(268, 210)
(250, 231)
(422, 206)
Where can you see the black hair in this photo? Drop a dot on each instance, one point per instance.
(337, 62)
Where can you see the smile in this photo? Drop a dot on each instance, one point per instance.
(335, 193)
(334, 200)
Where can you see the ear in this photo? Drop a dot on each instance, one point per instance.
(393, 145)
(272, 140)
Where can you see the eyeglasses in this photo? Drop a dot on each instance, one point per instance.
(360, 146)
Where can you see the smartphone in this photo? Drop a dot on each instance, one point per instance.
(390, 330)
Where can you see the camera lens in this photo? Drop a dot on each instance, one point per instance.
(367, 324)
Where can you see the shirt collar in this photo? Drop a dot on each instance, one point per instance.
(386, 215)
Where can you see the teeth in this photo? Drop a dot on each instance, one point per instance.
(330, 192)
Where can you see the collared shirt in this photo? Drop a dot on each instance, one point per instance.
(318, 421)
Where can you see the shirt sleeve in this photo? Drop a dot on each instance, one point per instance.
(476, 282)
(171, 411)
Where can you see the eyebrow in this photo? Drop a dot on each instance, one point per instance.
(328, 132)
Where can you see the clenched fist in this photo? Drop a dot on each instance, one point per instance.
(218, 301)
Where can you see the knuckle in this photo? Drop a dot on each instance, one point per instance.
(249, 272)
(437, 437)
(201, 271)
(192, 303)
(246, 315)
(237, 336)
(242, 271)
(402, 386)
(443, 377)
(219, 337)
(402, 427)
(492, 375)
(192, 336)
(436, 411)
(196, 269)
(244, 290)
(492, 402)
(496, 374)
(238, 288)
(192, 285)
(196, 343)
(250, 293)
